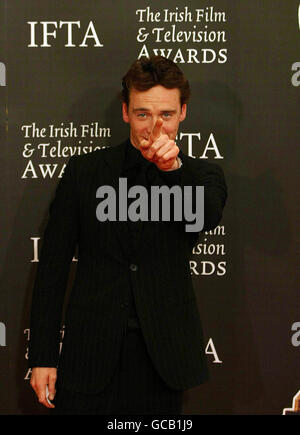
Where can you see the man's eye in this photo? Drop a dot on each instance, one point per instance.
(166, 115)
(142, 115)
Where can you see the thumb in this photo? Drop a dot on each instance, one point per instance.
(51, 387)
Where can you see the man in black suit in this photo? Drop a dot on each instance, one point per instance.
(133, 339)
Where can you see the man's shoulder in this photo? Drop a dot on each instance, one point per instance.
(198, 163)
(86, 158)
(93, 157)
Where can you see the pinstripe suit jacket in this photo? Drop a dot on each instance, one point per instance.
(95, 317)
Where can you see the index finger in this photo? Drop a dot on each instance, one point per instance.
(156, 132)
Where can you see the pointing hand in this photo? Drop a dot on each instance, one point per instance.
(160, 149)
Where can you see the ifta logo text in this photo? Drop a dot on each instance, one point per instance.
(43, 33)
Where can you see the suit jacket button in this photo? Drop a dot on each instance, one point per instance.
(133, 267)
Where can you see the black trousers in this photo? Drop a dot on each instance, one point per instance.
(135, 388)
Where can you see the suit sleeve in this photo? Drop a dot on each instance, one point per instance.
(58, 247)
(196, 172)
(211, 177)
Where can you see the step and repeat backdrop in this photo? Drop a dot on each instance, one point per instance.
(61, 64)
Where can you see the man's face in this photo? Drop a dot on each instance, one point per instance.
(147, 106)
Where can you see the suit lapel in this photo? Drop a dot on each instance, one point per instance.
(117, 231)
(118, 236)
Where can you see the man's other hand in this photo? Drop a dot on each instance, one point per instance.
(41, 377)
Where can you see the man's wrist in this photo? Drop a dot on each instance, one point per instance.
(177, 164)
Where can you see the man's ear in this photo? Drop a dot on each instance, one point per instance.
(125, 112)
(183, 113)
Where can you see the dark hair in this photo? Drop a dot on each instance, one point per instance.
(156, 70)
